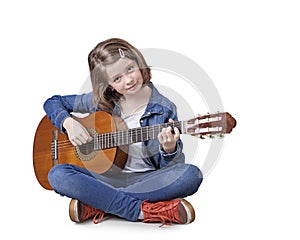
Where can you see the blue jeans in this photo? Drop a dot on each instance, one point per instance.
(121, 193)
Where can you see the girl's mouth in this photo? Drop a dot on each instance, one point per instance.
(131, 87)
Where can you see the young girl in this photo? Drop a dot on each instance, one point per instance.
(155, 179)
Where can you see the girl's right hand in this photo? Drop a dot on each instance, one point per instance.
(77, 133)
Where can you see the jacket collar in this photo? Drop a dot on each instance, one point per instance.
(155, 102)
(154, 106)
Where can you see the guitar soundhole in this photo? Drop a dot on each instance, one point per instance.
(86, 152)
(87, 148)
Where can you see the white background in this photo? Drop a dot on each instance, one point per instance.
(250, 49)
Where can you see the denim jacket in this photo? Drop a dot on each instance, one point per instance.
(159, 110)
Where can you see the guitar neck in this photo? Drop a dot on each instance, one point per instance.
(133, 135)
(209, 125)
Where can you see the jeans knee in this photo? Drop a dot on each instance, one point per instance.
(197, 173)
(56, 174)
(53, 175)
(194, 176)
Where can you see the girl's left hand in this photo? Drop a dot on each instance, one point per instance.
(167, 139)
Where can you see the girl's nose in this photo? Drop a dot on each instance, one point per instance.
(128, 78)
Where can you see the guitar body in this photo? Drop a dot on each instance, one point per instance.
(51, 147)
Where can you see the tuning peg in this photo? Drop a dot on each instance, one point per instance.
(211, 136)
(221, 135)
(202, 137)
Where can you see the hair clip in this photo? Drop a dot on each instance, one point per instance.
(121, 53)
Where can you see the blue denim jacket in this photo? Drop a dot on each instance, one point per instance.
(159, 110)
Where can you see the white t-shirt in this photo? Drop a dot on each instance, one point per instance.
(135, 161)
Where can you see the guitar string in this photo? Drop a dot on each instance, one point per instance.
(67, 144)
(113, 137)
(108, 140)
(91, 146)
(113, 134)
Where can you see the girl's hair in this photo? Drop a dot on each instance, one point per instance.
(108, 52)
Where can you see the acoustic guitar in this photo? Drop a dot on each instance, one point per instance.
(110, 141)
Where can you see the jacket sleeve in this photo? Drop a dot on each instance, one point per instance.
(157, 156)
(58, 108)
(175, 157)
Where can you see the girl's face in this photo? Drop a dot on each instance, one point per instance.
(125, 76)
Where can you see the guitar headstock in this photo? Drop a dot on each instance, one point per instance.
(210, 125)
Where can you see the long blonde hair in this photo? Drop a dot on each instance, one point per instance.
(108, 52)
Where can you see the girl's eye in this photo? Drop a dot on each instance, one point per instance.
(130, 69)
(117, 79)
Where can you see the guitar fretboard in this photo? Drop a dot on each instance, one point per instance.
(129, 136)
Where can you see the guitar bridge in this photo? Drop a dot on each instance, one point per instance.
(54, 147)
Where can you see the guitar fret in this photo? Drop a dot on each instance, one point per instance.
(129, 136)
(122, 138)
(117, 138)
(133, 137)
(104, 141)
(153, 133)
(110, 141)
(141, 133)
(147, 133)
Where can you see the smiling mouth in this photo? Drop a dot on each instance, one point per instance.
(132, 86)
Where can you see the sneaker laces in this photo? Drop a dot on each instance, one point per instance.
(90, 211)
(98, 217)
(164, 212)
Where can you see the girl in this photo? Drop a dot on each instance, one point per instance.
(155, 179)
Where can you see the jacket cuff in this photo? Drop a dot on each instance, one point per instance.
(168, 156)
(60, 119)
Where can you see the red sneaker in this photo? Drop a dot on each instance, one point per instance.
(80, 212)
(168, 212)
